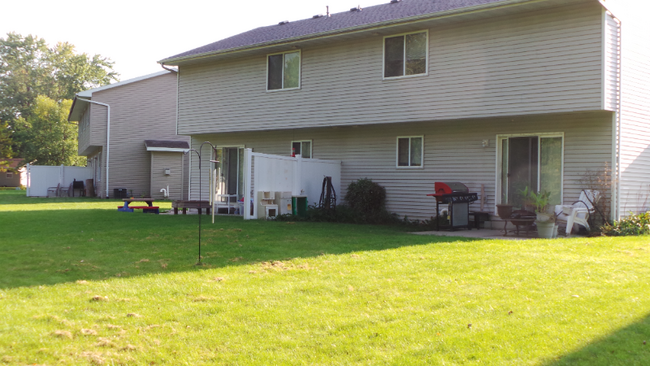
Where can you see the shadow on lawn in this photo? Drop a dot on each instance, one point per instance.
(50, 247)
(627, 346)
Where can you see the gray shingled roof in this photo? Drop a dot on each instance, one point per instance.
(374, 15)
(169, 144)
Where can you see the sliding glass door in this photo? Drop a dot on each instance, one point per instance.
(230, 172)
(534, 161)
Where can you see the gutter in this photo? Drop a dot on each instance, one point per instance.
(351, 30)
(108, 135)
(616, 179)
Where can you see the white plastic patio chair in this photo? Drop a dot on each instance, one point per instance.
(578, 213)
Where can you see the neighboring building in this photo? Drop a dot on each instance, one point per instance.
(496, 93)
(11, 172)
(144, 152)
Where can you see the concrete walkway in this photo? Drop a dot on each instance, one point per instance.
(480, 234)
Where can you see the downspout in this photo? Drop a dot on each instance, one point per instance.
(189, 177)
(108, 136)
(619, 96)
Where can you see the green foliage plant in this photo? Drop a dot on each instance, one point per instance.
(368, 200)
(632, 225)
(539, 201)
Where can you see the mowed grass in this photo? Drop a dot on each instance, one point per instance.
(83, 284)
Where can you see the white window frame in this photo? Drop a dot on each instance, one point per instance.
(299, 70)
(383, 60)
(10, 175)
(311, 147)
(499, 163)
(409, 157)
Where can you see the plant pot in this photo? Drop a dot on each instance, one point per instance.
(543, 217)
(504, 211)
(546, 229)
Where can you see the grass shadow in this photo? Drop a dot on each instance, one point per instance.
(626, 347)
(50, 247)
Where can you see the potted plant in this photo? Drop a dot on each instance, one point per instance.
(545, 220)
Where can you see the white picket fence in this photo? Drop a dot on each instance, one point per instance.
(40, 178)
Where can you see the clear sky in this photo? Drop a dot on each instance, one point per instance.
(135, 34)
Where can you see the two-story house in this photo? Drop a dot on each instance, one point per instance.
(127, 130)
(503, 94)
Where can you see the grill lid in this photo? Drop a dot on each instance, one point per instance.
(450, 187)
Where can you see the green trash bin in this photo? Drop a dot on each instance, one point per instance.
(299, 206)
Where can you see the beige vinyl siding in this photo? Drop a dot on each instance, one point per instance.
(83, 137)
(144, 110)
(611, 62)
(635, 116)
(521, 63)
(98, 114)
(167, 160)
(452, 152)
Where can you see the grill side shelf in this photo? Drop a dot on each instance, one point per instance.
(457, 198)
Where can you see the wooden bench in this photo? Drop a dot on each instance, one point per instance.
(145, 209)
(184, 205)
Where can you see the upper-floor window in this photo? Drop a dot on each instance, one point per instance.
(283, 71)
(405, 54)
(302, 148)
(410, 151)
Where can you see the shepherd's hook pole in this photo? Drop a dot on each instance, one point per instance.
(198, 153)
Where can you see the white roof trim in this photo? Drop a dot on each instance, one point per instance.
(89, 93)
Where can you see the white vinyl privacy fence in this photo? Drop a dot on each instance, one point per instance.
(275, 173)
(40, 178)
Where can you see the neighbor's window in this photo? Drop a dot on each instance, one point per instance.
(302, 148)
(284, 71)
(405, 55)
(410, 151)
(10, 175)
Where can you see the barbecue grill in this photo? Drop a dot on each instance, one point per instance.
(457, 197)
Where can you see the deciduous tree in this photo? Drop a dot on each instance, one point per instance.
(48, 138)
(29, 69)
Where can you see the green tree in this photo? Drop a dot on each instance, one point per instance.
(29, 69)
(5, 144)
(48, 137)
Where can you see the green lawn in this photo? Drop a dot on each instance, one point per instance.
(81, 283)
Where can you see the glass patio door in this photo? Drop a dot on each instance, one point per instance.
(230, 172)
(533, 161)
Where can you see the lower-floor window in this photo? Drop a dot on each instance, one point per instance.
(302, 148)
(530, 161)
(410, 151)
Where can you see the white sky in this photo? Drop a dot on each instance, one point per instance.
(137, 33)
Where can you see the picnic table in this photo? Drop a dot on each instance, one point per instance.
(185, 204)
(149, 208)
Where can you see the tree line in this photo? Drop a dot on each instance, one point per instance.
(37, 85)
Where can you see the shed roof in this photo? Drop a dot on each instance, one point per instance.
(166, 145)
(378, 15)
(11, 164)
